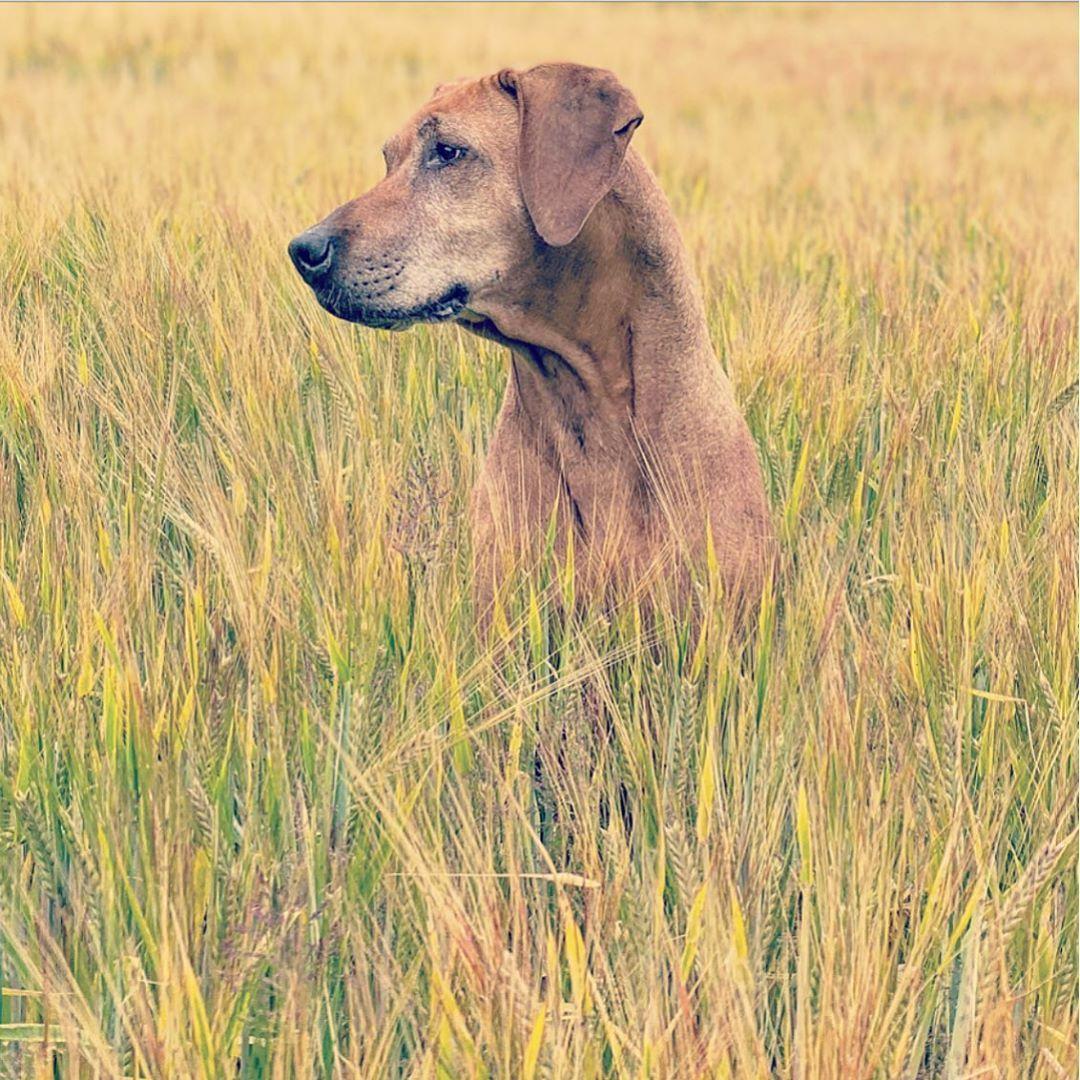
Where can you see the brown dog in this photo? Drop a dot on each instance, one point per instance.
(511, 205)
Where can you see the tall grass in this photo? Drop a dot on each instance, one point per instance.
(264, 798)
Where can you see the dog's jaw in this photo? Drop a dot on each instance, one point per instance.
(340, 303)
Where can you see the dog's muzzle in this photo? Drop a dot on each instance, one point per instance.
(367, 294)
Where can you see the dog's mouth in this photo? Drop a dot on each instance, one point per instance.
(344, 305)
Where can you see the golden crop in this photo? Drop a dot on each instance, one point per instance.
(263, 797)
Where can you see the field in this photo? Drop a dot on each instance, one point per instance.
(268, 806)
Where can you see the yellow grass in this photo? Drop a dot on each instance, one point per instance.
(264, 801)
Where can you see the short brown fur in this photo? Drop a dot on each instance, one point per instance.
(552, 237)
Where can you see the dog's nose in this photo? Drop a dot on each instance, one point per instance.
(312, 254)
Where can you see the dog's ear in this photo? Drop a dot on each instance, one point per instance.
(574, 125)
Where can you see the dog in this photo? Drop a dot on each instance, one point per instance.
(513, 205)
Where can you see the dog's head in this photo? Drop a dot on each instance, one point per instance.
(485, 172)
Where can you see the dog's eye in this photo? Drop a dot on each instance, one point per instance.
(445, 154)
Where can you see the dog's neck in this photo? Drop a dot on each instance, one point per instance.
(601, 329)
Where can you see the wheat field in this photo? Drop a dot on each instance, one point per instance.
(268, 807)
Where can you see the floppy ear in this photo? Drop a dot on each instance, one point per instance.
(574, 125)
